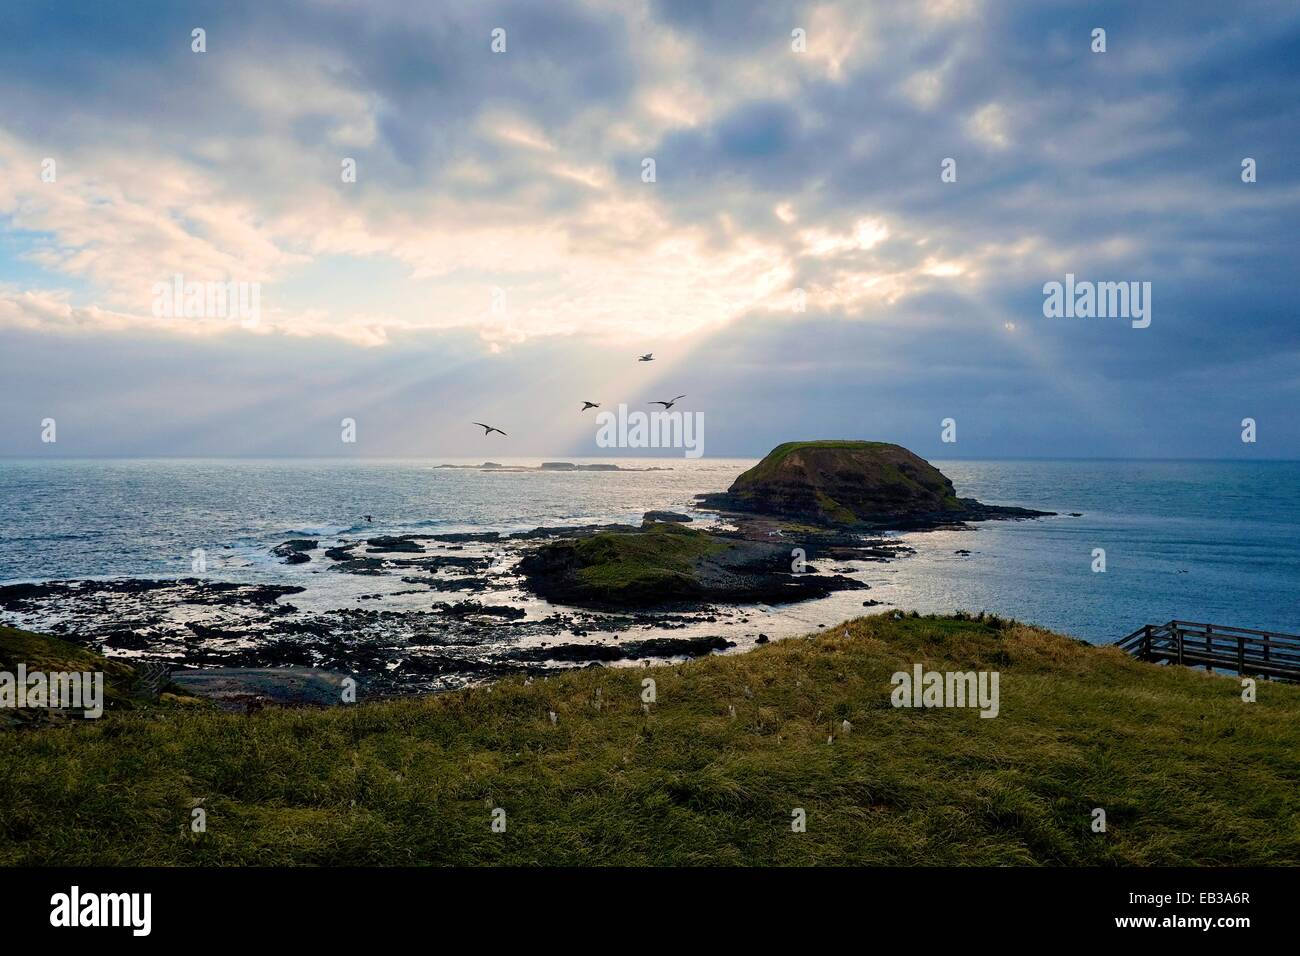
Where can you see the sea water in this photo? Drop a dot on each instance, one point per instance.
(1197, 540)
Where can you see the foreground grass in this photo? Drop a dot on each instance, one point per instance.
(1187, 772)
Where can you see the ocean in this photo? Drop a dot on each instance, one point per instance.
(1197, 540)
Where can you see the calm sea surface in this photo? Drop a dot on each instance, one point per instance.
(1208, 541)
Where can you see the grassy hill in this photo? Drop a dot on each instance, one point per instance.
(1187, 772)
(40, 652)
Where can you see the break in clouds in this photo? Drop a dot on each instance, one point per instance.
(840, 212)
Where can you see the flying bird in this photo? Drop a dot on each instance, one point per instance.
(648, 357)
(370, 518)
(587, 405)
(488, 430)
(668, 405)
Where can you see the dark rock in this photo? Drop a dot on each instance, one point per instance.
(294, 544)
(475, 609)
(405, 543)
(670, 516)
(360, 566)
(669, 563)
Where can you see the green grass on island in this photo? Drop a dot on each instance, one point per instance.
(660, 551)
(844, 481)
(1186, 772)
(772, 460)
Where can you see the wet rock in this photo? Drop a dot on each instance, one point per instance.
(360, 566)
(670, 516)
(293, 545)
(475, 609)
(127, 640)
(390, 543)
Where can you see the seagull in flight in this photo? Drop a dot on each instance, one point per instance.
(488, 430)
(587, 405)
(667, 405)
(648, 357)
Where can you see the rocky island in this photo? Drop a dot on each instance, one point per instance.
(858, 484)
(665, 563)
(815, 498)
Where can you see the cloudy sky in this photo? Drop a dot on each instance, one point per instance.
(500, 256)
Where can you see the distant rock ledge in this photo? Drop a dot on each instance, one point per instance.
(858, 484)
(548, 466)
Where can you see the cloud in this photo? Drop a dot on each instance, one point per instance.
(500, 204)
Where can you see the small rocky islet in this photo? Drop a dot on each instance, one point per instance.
(784, 531)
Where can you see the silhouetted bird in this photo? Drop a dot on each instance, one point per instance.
(668, 405)
(587, 405)
(488, 430)
(370, 518)
(648, 357)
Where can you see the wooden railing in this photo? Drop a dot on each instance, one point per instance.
(1217, 646)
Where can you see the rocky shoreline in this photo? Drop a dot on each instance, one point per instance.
(418, 613)
(449, 609)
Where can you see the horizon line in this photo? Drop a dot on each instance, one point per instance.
(648, 458)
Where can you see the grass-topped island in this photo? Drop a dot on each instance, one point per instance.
(714, 771)
(662, 563)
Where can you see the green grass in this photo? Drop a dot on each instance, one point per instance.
(41, 652)
(656, 556)
(1187, 772)
(772, 460)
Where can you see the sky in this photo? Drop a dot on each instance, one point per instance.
(799, 263)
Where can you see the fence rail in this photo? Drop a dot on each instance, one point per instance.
(1217, 646)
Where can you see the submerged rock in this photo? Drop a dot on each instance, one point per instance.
(292, 550)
